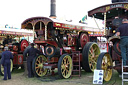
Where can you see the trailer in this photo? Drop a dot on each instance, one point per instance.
(112, 15)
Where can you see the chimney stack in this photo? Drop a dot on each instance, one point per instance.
(53, 9)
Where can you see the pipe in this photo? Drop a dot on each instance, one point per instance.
(53, 9)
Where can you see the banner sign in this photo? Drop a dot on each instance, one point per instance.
(15, 33)
(98, 77)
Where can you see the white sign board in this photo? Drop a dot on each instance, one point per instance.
(98, 77)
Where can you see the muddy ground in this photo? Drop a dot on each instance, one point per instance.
(86, 79)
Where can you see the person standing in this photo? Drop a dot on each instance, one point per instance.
(7, 40)
(5, 61)
(32, 53)
(122, 31)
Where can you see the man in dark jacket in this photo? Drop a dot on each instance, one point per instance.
(122, 31)
(5, 61)
(32, 53)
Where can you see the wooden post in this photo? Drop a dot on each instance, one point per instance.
(25, 68)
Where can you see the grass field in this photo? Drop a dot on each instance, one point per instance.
(86, 79)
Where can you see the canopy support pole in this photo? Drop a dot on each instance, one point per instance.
(105, 31)
(96, 24)
(33, 32)
(45, 32)
(40, 25)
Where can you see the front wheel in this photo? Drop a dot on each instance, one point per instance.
(37, 66)
(104, 63)
(65, 66)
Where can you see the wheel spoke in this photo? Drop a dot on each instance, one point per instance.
(62, 66)
(94, 49)
(63, 72)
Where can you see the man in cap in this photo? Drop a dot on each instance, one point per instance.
(5, 61)
(32, 53)
(122, 31)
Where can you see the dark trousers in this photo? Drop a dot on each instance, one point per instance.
(124, 49)
(7, 71)
(29, 67)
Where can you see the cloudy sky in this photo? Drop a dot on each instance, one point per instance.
(14, 12)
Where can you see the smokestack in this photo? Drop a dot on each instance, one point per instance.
(53, 9)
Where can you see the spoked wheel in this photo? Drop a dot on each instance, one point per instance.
(2, 68)
(104, 62)
(90, 55)
(37, 66)
(65, 66)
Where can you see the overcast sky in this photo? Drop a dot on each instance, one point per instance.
(14, 12)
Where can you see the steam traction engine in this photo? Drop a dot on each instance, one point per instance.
(112, 14)
(58, 41)
(16, 49)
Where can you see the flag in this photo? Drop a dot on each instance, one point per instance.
(83, 20)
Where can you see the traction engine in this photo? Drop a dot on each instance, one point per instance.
(58, 41)
(17, 51)
(112, 14)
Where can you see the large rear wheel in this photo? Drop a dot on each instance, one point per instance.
(37, 66)
(65, 66)
(90, 54)
(104, 62)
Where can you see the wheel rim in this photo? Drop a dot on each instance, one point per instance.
(2, 68)
(93, 54)
(40, 71)
(66, 66)
(11, 65)
(106, 63)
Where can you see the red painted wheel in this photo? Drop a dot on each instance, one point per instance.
(83, 39)
(23, 44)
